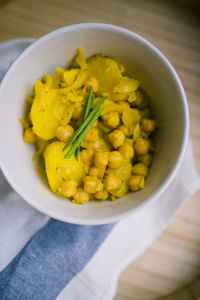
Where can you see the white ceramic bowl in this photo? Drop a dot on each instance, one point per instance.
(144, 62)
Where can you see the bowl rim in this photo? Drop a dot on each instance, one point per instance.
(167, 181)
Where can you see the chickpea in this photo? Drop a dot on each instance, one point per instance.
(69, 188)
(87, 156)
(148, 124)
(92, 135)
(101, 159)
(29, 135)
(96, 101)
(142, 146)
(111, 119)
(94, 82)
(136, 182)
(116, 138)
(80, 196)
(146, 159)
(115, 159)
(92, 184)
(140, 169)
(127, 151)
(96, 123)
(103, 195)
(112, 182)
(64, 133)
(124, 104)
(77, 113)
(124, 129)
(94, 171)
(104, 128)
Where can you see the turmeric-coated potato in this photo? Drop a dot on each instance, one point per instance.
(105, 70)
(59, 169)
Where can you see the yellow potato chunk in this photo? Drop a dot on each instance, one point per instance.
(105, 70)
(80, 58)
(130, 117)
(126, 85)
(59, 169)
(43, 116)
(69, 76)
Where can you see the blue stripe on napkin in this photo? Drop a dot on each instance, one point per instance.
(54, 255)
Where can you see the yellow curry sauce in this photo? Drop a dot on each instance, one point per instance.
(116, 153)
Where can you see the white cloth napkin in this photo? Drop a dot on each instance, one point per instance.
(128, 239)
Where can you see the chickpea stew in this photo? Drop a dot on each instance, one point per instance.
(114, 155)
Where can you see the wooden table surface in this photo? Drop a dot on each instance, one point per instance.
(173, 260)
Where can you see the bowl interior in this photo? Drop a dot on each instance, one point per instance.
(57, 49)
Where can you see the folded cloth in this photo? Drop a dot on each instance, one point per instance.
(42, 258)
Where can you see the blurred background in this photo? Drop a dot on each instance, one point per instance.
(170, 268)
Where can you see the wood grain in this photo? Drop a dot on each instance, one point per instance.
(173, 260)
